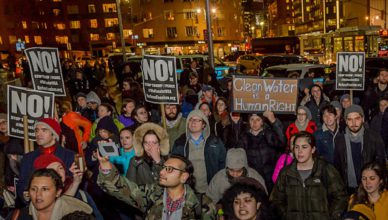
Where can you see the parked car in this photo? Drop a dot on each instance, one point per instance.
(232, 57)
(298, 70)
(249, 61)
(273, 60)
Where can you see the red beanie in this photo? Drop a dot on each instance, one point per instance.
(52, 125)
(46, 159)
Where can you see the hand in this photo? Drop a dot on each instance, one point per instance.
(270, 116)
(104, 161)
(154, 152)
(77, 173)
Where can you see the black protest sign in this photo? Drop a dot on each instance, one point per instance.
(350, 71)
(160, 79)
(46, 70)
(252, 95)
(35, 104)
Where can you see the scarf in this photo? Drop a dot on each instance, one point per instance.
(172, 123)
(48, 150)
(300, 126)
(358, 138)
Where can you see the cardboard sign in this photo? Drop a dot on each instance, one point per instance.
(46, 71)
(252, 94)
(160, 82)
(350, 72)
(35, 104)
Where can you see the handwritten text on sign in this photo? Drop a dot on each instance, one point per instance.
(160, 79)
(251, 94)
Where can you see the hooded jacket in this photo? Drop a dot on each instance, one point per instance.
(311, 126)
(236, 158)
(142, 170)
(214, 151)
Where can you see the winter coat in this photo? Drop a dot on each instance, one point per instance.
(118, 124)
(126, 121)
(316, 110)
(142, 170)
(322, 196)
(214, 152)
(232, 132)
(177, 130)
(370, 101)
(123, 160)
(293, 129)
(149, 198)
(324, 139)
(67, 156)
(75, 121)
(372, 150)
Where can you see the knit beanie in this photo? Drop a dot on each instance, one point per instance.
(336, 104)
(46, 159)
(354, 108)
(236, 158)
(93, 97)
(309, 117)
(52, 125)
(344, 96)
(108, 124)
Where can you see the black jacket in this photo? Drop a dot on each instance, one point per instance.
(316, 110)
(373, 150)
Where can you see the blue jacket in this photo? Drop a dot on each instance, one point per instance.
(325, 143)
(26, 167)
(123, 160)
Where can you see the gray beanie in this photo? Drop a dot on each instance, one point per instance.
(354, 108)
(309, 117)
(93, 97)
(236, 158)
(344, 96)
(336, 104)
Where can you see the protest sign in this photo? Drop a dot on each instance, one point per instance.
(350, 72)
(35, 104)
(252, 94)
(160, 79)
(46, 71)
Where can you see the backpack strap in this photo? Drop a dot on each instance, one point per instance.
(83, 196)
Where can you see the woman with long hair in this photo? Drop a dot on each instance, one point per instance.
(372, 190)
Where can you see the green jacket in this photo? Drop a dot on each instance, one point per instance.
(149, 198)
(321, 197)
(118, 124)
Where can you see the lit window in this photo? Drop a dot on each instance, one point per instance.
(148, 33)
(27, 39)
(75, 24)
(308, 8)
(24, 24)
(94, 37)
(93, 23)
(110, 36)
(169, 15)
(72, 9)
(60, 26)
(110, 22)
(190, 14)
(12, 39)
(171, 32)
(56, 11)
(38, 40)
(288, 7)
(108, 8)
(61, 39)
(191, 31)
(127, 33)
(1, 40)
(92, 8)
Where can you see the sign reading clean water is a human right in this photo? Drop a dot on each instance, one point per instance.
(350, 72)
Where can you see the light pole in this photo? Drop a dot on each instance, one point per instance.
(210, 34)
(121, 29)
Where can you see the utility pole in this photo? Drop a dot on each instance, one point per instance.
(337, 7)
(121, 29)
(324, 16)
(210, 34)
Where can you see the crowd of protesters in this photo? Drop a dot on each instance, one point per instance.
(199, 160)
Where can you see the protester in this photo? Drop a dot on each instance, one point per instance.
(151, 146)
(372, 190)
(47, 133)
(204, 150)
(171, 198)
(81, 104)
(326, 135)
(176, 124)
(356, 147)
(141, 115)
(126, 112)
(80, 83)
(93, 102)
(236, 167)
(127, 151)
(221, 116)
(44, 189)
(261, 142)
(244, 200)
(193, 83)
(206, 109)
(233, 131)
(105, 110)
(208, 95)
(374, 93)
(377, 119)
(303, 122)
(316, 104)
(345, 101)
(285, 159)
(310, 188)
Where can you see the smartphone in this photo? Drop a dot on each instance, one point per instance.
(79, 162)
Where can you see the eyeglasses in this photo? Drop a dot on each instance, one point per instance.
(170, 169)
(195, 120)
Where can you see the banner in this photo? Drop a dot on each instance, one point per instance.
(160, 79)
(35, 104)
(252, 94)
(46, 71)
(350, 72)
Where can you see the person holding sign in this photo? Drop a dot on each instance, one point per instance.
(47, 133)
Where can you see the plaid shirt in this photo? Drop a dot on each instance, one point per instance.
(172, 206)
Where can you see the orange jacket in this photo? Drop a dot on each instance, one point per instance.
(76, 121)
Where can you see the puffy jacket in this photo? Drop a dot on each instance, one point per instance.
(322, 196)
(316, 110)
(293, 129)
(373, 150)
(75, 122)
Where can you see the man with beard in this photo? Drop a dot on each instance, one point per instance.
(374, 93)
(172, 198)
(236, 166)
(356, 147)
(176, 124)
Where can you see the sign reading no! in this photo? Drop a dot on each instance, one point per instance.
(350, 74)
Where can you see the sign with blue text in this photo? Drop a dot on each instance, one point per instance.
(160, 82)
(46, 71)
(350, 74)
